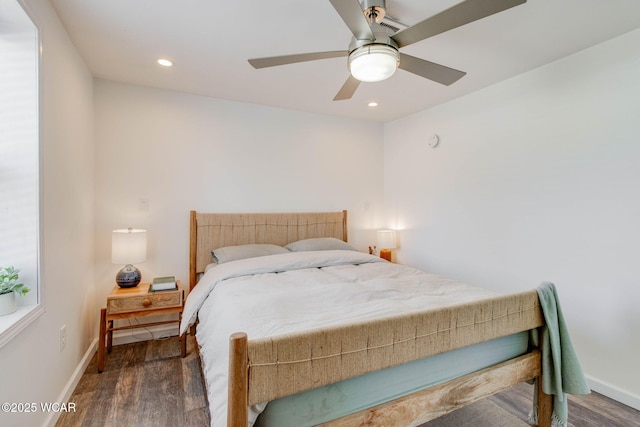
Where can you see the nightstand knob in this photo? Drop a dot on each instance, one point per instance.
(146, 302)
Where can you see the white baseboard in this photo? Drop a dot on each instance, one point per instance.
(613, 392)
(71, 385)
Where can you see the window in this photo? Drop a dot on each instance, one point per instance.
(19, 160)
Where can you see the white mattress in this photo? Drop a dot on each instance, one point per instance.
(286, 293)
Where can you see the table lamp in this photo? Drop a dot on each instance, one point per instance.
(128, 246)
(386, 242)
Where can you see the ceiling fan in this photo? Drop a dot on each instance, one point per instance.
(373, 54)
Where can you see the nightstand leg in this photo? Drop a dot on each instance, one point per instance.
(101, 339)
(183, 343)
(110, 336)
(183, 337)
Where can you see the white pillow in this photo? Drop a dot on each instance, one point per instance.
(234, 253)
(319, 244)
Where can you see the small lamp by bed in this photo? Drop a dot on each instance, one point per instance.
(386, 242)
(128, 246)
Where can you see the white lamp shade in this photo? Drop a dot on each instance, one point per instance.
(373, 63)
(386, 239)
(128, 246)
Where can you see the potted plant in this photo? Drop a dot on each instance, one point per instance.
(9, 287)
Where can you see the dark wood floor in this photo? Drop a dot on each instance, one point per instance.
(149, 384)
(143, 384)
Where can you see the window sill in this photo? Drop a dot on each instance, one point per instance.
(12, 324)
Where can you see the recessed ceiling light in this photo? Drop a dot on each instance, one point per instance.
(165, 62)
(373, 104)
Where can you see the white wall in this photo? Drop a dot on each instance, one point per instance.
(536, 178)
(33, 367)
(180, 152)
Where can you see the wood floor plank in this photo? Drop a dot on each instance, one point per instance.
(608, 408)
(162, 349)
(125, 404)
(515, 402)
(103, 394)
(586, 414)
(484, 413)
(84, 402)
(195, 396)
(198, 417)
(161, 398)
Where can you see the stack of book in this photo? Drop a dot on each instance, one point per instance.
(163, 284)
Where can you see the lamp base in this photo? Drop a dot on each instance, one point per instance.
(128, 277)
(385, 254)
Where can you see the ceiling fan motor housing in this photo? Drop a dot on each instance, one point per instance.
(381, 36)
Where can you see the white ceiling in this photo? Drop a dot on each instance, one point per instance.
(210, 42)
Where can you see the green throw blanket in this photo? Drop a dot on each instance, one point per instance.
(561, 370)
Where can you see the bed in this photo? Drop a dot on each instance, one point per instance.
(294, 359)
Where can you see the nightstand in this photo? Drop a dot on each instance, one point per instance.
(126, 303)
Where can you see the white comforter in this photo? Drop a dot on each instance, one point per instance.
(285, 293)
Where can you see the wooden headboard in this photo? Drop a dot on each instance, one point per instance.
(209, 231)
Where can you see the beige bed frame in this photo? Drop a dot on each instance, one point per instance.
(265, 369)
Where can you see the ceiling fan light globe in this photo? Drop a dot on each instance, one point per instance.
(373, 63)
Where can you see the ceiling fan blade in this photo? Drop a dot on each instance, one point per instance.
(430, 70)
(348, 89)
(456, 16)
(351, 13)
(292, 59)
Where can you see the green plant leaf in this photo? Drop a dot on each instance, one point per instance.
(9, 281)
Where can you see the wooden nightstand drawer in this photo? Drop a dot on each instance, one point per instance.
(140, 299)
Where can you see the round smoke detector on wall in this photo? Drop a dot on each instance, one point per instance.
(434, 141)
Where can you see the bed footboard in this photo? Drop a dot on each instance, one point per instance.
(266, 369)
